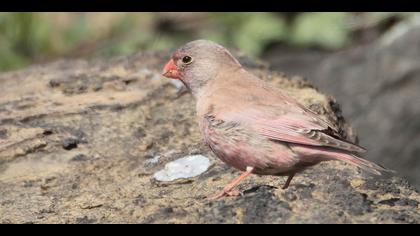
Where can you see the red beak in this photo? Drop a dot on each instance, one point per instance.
(171, 70)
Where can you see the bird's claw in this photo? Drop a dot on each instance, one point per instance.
(231, 193)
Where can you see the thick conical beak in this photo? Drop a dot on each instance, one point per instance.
(171, 70)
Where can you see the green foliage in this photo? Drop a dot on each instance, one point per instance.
(76, 32)
(326, 30)
(127, 41)
(8, 58)
(251, 32)
(259, 30)
(32, 37)
(22, 36)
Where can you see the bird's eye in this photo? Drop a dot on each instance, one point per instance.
(186, 60)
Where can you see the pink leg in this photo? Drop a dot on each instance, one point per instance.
(228, 190)
(289, 179)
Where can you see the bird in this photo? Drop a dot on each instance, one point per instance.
(252, 125)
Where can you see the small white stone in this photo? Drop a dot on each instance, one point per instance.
(185, 167)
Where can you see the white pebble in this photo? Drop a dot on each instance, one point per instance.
(185, 167)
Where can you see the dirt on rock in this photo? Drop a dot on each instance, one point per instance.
(77, 137)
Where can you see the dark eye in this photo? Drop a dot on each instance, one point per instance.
(186, 60)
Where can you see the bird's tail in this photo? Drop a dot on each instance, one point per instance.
(327, 153)
(363, 164)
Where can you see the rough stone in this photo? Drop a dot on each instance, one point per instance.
(108, 178)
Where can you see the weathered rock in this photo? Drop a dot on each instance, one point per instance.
(123, 117)
(378, 86)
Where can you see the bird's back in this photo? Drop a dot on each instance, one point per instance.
(269, 111)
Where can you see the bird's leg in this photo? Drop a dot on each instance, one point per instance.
(228, 189)
(289, 179)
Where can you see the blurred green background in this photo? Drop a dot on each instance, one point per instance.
(27, 38)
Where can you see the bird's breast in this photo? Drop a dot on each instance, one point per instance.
(240, 147)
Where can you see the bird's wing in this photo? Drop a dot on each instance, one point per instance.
(294, 125)
(272, 113)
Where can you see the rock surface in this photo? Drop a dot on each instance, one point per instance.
(81, 140)
(378, 86)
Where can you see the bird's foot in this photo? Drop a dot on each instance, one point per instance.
(228, 190)
(230, 193)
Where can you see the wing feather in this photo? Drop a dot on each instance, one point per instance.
(295, 127)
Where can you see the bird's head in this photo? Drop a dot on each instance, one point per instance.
(198, 62)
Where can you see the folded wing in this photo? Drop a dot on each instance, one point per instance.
(298, 126)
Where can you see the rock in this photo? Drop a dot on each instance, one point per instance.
(123, 117)
(79, 157)
(154, 160)
(183, 168)
(378, 88)
(3, 134)
(70, 143)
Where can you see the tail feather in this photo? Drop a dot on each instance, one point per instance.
(364, 164)
(308, 153)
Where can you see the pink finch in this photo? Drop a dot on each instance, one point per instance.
(251, 125)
